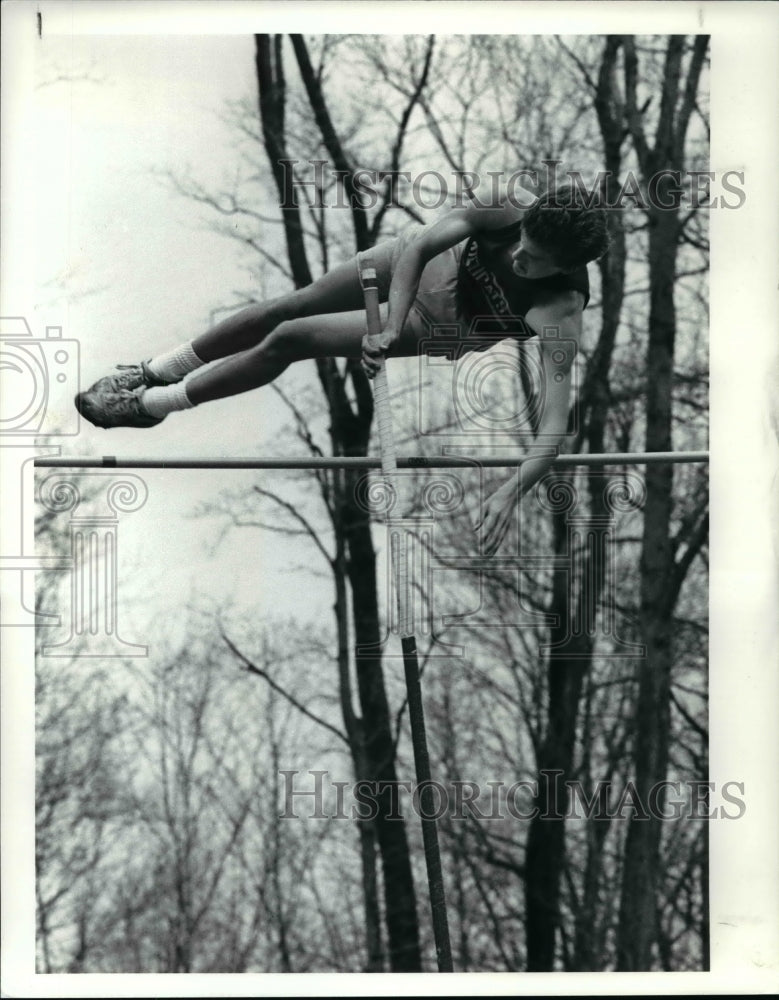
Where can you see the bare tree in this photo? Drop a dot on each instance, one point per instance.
(184, 864)
(350, 406)
(665, 558)
(79, 716)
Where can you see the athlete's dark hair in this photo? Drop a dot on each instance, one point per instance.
(562, 222)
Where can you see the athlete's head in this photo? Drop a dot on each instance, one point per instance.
(560, 233)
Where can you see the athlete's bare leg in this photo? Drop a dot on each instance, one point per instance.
(248, 350)
(334, 335)
(337, 291)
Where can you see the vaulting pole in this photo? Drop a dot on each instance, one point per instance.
(398, 556)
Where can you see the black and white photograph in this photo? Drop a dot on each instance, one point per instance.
(389, 438)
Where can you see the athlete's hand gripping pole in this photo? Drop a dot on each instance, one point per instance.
(399, 560)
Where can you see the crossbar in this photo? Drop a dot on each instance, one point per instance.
(366, 462)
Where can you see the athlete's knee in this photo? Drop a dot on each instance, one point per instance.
(302, 302)
(284, 307)
(290, 341)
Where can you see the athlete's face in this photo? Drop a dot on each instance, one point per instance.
(529, 260)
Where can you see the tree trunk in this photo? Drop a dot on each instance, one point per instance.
(569, 659)
(653, 719)
(660, 575)
(355, 730)
(596, 400)
(350, 435)
(545, 851)
(546, 838)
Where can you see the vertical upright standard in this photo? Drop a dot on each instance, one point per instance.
(410, 663)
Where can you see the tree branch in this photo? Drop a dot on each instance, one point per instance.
(700, 48)
(330, 138)
(691, 722)
(635, 124)
(666, 139)
(579, 64)
(272, 90)
(391, 182)
(695, 542)
(295, 513)
(252, 668)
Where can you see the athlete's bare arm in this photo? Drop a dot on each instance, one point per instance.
(563, 313)
(457, 225)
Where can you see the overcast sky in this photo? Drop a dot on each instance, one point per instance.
(129, 267)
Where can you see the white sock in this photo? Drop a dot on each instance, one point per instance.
(159, 401)
(175, 364)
